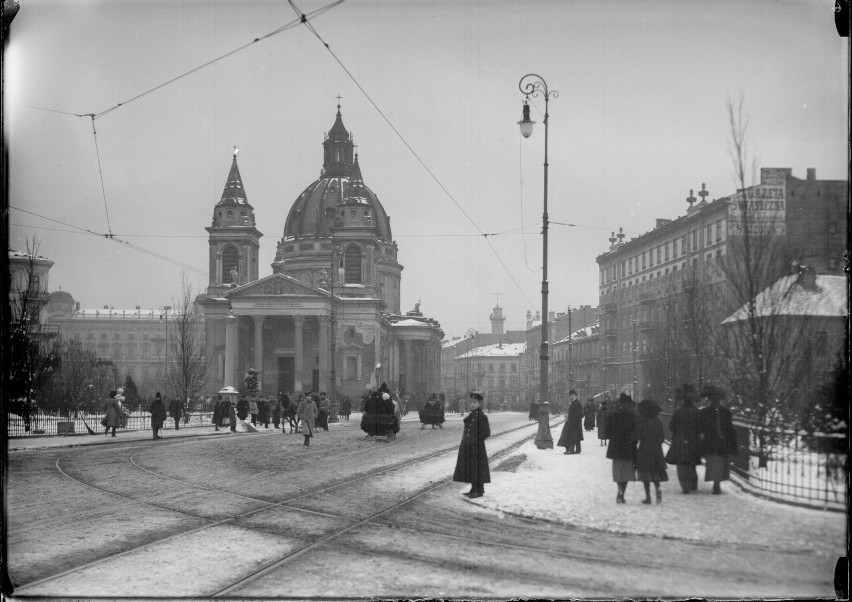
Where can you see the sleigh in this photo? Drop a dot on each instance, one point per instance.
(380, 425)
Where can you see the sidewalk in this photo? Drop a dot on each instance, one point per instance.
(578, 490)
(59, 441)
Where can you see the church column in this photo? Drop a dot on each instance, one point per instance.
(230, 349)
(299, 352)
(325, 385)
(258, 350)
(404, 363)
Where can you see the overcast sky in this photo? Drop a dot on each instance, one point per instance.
(640, 119)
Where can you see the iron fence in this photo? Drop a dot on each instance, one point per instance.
(44, 424)
(805, 468)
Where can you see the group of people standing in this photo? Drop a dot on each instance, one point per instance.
(636, 442)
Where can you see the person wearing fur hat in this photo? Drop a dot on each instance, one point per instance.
(650, 463)
(683, 452)
(717, 438)
(307, 413)
(621, 430)
(472, 461)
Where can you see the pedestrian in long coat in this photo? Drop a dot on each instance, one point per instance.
(572, 430)
(650, 462)
(175, 411)
(600, 418)
(717, 438)
(158, 414)
(589, 414)
(472, 461)
(307, 413)
(683, 451)
(621, 430)
(112, 414)
(323, 408)
(345, 408)
(253, 410)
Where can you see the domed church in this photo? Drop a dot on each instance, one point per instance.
(328, 318)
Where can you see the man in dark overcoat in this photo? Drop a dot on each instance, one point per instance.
(176, 411)
(717, 438)
(572, 430)
(158, 414)
(472, 461)
(683, 451)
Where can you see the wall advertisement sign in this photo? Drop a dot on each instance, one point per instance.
(759, 211)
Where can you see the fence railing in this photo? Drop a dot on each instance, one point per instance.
(41, 424)
(808, 469)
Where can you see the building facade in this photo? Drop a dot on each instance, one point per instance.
(654, 289)
(328, 317)
(576, 364)
(495, 371)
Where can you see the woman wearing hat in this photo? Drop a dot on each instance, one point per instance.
(621, 430)
(472, 461)
(158, 414)
(112, 417)
(717, 439)
(683, 451)
(650, 463)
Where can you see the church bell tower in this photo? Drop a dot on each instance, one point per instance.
(234, 239)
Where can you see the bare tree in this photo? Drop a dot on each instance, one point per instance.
(80, 381)
(32, 354)
(768, 359)
(187, 368)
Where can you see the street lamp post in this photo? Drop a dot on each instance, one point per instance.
(533, 85)
(332, 371)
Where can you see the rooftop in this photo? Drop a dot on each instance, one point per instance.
(498, 350)
(788, 297)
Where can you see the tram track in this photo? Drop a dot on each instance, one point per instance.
(282, 504)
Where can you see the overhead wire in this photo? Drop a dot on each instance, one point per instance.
(113, 238)
(304, 20)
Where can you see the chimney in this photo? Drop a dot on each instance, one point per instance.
(106, 306)
(138, 308)
(662, 222)
(811, 174)
(529, 319)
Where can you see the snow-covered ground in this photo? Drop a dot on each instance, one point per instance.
(578, 490)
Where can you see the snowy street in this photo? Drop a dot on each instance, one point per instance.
(258, 514)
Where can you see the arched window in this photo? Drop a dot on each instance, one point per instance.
(230, 265)
(352, 265)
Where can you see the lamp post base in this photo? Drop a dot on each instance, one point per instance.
(543, 438)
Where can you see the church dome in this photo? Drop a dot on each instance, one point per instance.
(60, 296)
(339, 198)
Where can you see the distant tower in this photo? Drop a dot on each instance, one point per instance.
(234, 239)
(497, 319)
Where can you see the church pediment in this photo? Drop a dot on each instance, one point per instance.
(275, 285)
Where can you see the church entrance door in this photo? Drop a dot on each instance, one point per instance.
(287, 374)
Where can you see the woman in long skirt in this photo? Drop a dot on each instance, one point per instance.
(621, 430)
(650, 462)
(683, 451)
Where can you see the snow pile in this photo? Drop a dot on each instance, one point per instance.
(578, 490)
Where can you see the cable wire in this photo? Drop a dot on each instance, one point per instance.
(101, 173)
(117, 240)
(312, 29)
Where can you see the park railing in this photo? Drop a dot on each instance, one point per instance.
(808, 469)
(43, 424)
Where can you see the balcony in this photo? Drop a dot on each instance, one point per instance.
(647, 297)
(610, 307)
(611, 360)
(611, 333)
(646, 325)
